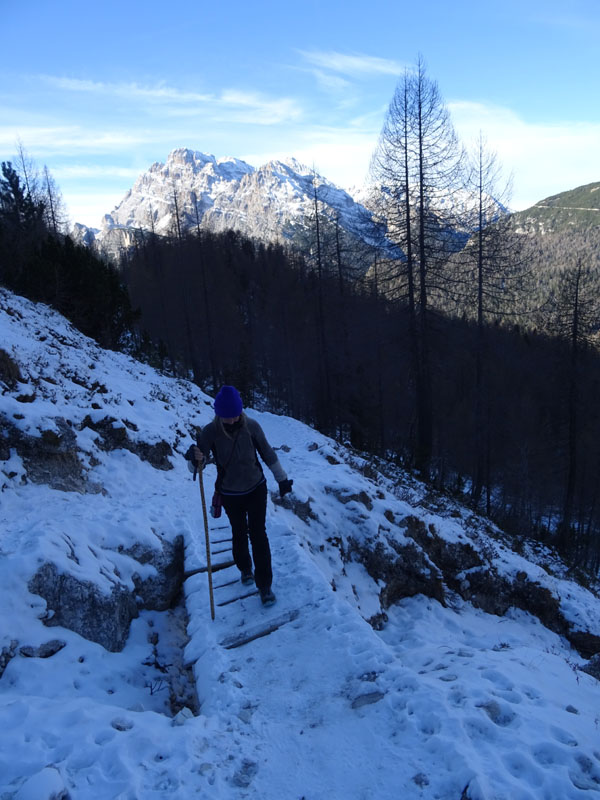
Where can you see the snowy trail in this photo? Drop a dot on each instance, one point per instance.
(446, 695)
(294, 689)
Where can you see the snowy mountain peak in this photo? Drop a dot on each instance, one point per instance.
(288, 166)
(183, 160)
(271, 203)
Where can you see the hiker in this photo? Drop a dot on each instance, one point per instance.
(234, 440)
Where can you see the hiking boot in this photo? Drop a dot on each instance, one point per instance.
(267, 597)
(247, 577)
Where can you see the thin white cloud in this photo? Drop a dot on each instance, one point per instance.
(342, 155)
(80, 171)
(352, 64)
(69, 139)
(330, 82)
(258, 108)
(255, 107)
(133, 91)
(545, 158)
(88, 208)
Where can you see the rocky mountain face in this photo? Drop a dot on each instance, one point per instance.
(273, 203)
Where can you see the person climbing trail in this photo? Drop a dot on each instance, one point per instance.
(234, 440)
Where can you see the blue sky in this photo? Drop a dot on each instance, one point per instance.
(99, 92)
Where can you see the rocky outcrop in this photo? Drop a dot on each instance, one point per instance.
(10, 373)
(83, 608)
(593, 667)
(50, 459)
(45, 650)
(405, 570)
(588, 645)
(347, 497)
(451, 558)
(434, 566)
(7, 652)
(113, 436)
(161, 590)
(105, 617)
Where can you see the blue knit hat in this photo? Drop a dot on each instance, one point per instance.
(228, 403)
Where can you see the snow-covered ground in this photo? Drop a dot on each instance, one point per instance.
(442, 702)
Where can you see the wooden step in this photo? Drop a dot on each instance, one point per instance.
(257, 632)
(215, 568)
(239, 597)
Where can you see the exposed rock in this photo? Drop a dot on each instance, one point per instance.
(51, 459)
(115, 437)
(182, 716)
(121, 724)
(270, 204)
(367, 699)
(244, 776)
(82, 234)
(301, 509)
(587, 644)
(10, 374)
(378, 621)
(155, 454)
(406, 572)
(46, 650)
(344, 497)
(81, 607)
(159, 592)
(451, 557)
(6, 654)
(593, 669)
(495, 594)
(486, 590)
(432, 563)
(466, 572)
(6, 438)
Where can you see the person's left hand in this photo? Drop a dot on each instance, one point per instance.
(285, 487)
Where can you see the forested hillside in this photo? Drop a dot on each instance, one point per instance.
(576, 210)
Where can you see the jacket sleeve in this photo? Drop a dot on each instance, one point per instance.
(206, 440)
(266, 452)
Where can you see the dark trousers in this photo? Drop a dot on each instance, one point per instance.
(247, 515)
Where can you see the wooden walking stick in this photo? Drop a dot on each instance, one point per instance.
(208, 561)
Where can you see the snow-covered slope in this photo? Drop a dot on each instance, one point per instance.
(271, 203)
(367, 687)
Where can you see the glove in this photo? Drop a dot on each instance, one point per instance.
(285, 487)
(193, 463)
(190, 456)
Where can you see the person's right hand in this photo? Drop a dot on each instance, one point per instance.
(197, 456)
